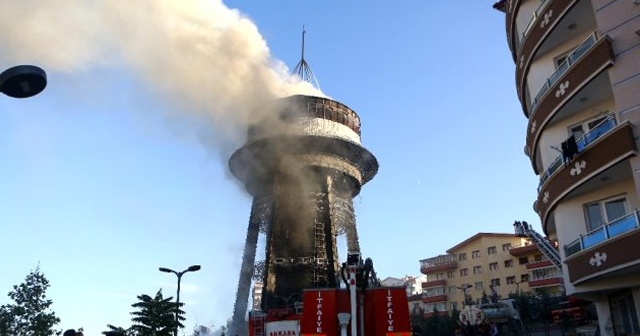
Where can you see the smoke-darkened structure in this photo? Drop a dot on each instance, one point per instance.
(303, 165)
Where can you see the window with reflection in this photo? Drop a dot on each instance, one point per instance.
(603, 212)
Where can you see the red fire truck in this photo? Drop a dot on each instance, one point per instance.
(357, 310)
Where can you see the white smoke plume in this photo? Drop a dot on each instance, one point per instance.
(206, 58)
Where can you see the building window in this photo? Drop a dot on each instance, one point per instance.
(464, 272)
(475, 254)
(451, 274)
(434, 291)
(493, 266)
(511, 280)
(602, 212)
(506, 247)
(479, 285)
(578, 130)
(491, 250)
(495, 282)
(523, 261)
(462, 256)
(439, 276)
(538, 258)
(439, 306)
(560, 59)
(508, 263)
(524, 278)
(477, 269)
(452, 289)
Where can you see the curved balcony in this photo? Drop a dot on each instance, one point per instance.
(512, 8)
(607, 251)
(603, 150)
(602, 234)
(584, 141)
(545, 19)
(580, 68)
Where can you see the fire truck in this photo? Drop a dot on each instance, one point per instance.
(362, 307)
(504, 313)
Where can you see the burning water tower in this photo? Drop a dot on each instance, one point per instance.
(303, 163)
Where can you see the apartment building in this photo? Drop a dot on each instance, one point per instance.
(484, 264)
(577, 76)
(413, 284)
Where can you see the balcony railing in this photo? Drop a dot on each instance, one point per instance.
(575, 55)
(608, 231)
(440, 260)
(550, 272)
(583, 142)
(536, 13)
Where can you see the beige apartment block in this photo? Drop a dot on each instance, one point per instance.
(577, 76)
(503, 261)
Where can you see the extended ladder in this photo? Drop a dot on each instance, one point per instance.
(523, 229)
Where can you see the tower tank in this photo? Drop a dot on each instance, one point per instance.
(303, 163)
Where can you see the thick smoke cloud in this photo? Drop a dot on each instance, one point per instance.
(207, 59)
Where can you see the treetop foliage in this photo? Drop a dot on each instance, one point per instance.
(30, 313)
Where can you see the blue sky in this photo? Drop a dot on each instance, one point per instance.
(107, 176)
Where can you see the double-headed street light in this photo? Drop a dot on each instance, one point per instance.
(193, 268)
(464, 288)
(23, 81)
(518, 287)
(466, 301)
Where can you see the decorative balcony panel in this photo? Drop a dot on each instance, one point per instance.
(545, 282)
(538, 264)
(434, 283)
(435, 298)
(535, 35)
(617, 254)
(524, 250)
(564, 84)
(605, 151)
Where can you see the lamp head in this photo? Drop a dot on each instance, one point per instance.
(343, 318)
(23, 81)
(164, 269)
(193, 268)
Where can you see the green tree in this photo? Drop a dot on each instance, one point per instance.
(155, 316)
(30, 313)
(437, 324)
(116, 331)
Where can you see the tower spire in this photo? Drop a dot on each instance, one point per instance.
(302, 69)
(303, 32)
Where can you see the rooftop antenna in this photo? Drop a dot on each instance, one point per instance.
(303, 70)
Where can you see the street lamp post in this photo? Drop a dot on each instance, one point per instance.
(518, 287)
(466, 307)
(193, 268)
(464, 289)
(23, 81)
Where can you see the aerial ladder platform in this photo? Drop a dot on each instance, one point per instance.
(523, 229)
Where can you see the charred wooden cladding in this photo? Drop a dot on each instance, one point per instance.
(303, 163)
